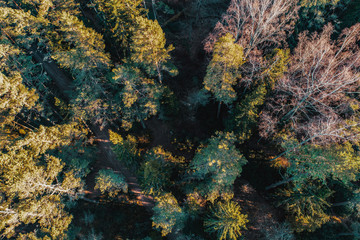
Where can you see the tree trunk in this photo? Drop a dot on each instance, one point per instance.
(159, 74)
(279, 183)
(340, 204)
(218, 111)
(142, 124)
(153, 8)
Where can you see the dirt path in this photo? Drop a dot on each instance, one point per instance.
(106, 157)
(262, 216)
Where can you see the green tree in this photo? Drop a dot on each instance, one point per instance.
(306, 205)
(120, 18)
(245, 115)
(139, 97)
(216, 166)
(156, 170)
(321, 163)
(223, 70)
(148, 49)
(226, 220)
(168, 215)
(110, 182)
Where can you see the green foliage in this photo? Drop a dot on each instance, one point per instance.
(156, 170)
(216, 166)
(339, 162)
(244, 117)
(110, 182)
(223, 70)
(226, 221)
(306, 206)
(277, 63)
(139, 98)
(120, 18)
(314, 14)
(148, 49)
(125, 149)
(279, 231)
(168, 215)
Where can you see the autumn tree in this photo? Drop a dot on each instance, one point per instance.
(216, 166)
(35, 184)
(226, 221)
(315, 97)
(255, 23)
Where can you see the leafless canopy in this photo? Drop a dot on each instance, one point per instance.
(255, 23)
(317, 94)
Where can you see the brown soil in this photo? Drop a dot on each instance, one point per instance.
(261, 214)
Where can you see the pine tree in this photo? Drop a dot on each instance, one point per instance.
(139, 97)
(223, 70)
(216, 166)
(306, 205)
(110, 182)
(226, 221)
(156, 170)
(120, 18)
(148, 49)
(168, 215)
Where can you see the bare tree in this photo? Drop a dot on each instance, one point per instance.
(317, 93)
(255, 23)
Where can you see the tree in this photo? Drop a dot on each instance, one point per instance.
(216, 166)
(168, 216)
(223, 70)
(244, 117)
(313, 15)
(255, 23)
(156, 170)
(148, 49)
(315, 97)
(306, 205)
(34, 184)
(318, 163)
(120, 18)
(226, 221)
(139, 97)
(110, 182)
(82, 52)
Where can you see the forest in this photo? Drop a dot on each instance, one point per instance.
(180, 119)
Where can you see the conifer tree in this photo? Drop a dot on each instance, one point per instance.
(110, 182)
(223, 70)
(306, 205)
(120, 18)
(216, 166)
(226, 221)
(168, 216)
(148, 49)
(139, 97)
